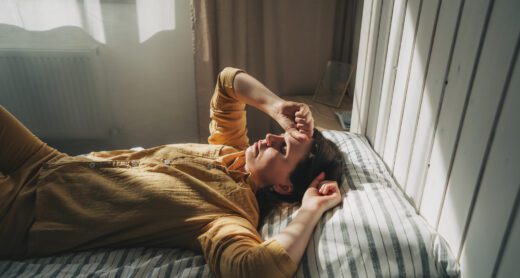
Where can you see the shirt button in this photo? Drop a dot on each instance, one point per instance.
(167, 161)
(92, 165)
(210, 167)
(134, 163)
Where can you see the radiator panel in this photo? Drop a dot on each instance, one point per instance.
(56, 94)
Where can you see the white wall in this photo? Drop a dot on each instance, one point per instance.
(437, 95)
(150, 81)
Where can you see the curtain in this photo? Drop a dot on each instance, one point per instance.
(284, 44)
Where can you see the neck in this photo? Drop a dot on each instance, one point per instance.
(255, 181)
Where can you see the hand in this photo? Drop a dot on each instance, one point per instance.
(295, 118)
(321, 195)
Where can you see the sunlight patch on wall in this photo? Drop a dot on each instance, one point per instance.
(94, 20)
(154, 16)
(35, 15)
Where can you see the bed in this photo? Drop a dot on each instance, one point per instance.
(375, 232)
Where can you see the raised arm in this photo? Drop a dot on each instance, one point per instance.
(235, 89)
(293, 117)
(227, 113)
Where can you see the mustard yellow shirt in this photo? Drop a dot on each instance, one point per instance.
(195, 196)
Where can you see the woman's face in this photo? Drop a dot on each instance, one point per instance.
(271, 160)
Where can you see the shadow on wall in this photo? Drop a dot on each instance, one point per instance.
(146, 53)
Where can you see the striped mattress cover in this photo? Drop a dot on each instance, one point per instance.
(375, 232)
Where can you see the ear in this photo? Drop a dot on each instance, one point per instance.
(284, 189)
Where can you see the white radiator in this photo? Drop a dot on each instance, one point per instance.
(56, 93)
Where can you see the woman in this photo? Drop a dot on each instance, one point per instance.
(197, 196)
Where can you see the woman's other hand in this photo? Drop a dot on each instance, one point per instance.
(321, 195)
(295, 118)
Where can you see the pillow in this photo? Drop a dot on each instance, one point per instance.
(375, 232)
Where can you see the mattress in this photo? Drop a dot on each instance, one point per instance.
(375, 232)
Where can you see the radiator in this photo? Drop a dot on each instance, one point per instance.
(56, 93)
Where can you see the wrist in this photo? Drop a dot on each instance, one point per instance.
(275, 107)
(313, 213)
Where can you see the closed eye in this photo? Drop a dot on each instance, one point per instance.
(284, 148)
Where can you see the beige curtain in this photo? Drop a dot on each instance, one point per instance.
(284, 44)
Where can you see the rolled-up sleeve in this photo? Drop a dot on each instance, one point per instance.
(227, 113)
(233, 248)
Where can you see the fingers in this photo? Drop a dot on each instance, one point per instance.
(300, 120)
(296, 119)
(304, 120)
(290, 108)
(330, 194)
(303, 110)
(328, 187)
(304, 128)
(298, 135)
(322, 194)
(317, 180)
(303, 115)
